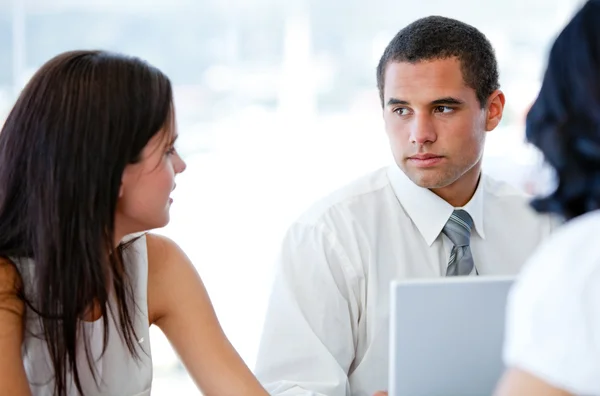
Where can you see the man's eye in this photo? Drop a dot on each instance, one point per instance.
(402, 111)
(444, 109)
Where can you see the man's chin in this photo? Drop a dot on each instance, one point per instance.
(426, 181)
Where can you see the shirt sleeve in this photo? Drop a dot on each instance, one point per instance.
(553, 316)
(309, 337)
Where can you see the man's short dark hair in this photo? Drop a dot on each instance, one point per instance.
(436, 37)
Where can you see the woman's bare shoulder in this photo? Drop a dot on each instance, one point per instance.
(10, 285)
(163, 251)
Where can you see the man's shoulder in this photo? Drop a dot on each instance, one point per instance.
(362, 192)
(502, 190)
(504, 198)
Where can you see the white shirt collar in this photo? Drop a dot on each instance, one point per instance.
(430, 212)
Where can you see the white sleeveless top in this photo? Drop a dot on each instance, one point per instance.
(553, 311)
(118, 373)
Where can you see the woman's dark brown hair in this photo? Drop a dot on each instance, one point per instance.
(83, 117)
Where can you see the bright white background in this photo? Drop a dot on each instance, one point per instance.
(277, 106)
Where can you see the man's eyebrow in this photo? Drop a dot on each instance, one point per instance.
(447, 101)
(394, 101)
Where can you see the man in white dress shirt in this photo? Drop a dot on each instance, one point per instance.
(326, 329)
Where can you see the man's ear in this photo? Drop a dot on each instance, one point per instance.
(495, 109)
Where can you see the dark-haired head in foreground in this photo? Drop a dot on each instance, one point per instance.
(564, 121)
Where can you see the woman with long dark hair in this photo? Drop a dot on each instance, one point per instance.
(87, 164)
(552, 345)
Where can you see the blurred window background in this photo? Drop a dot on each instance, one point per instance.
(277, 106)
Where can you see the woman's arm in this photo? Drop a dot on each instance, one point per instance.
(13, 380)
(179, 304)
(520, 383)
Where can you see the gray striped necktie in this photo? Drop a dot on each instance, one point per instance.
(458, 230)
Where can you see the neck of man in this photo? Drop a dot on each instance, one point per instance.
(459, 193)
